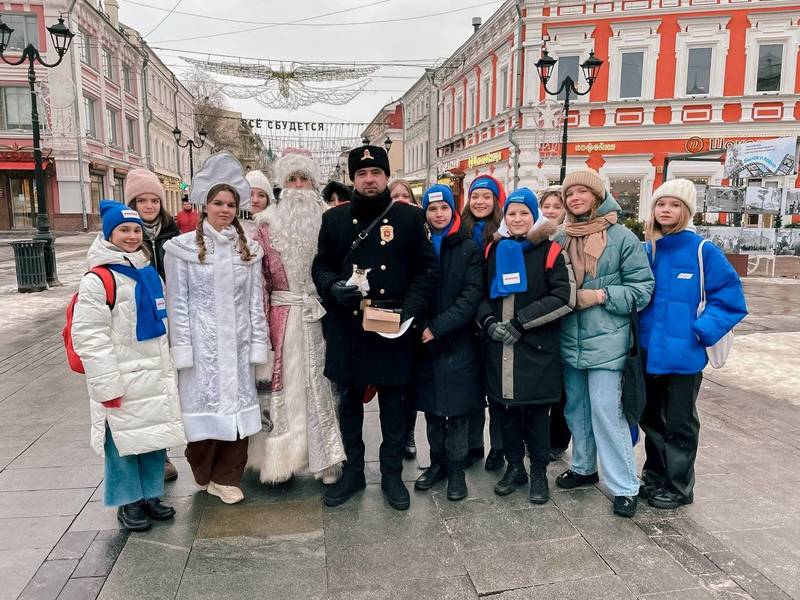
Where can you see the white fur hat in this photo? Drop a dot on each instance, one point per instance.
(682, 189)
(221, 167)
(258, 180)
(296, 163)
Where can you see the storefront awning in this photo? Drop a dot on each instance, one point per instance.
(17, 166)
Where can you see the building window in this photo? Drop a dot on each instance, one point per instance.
(16, 109)
(108, 67)
(567, 66)
(698, 71)
(112, 127)
(502, 84)
(770, 62)
(486, 108)
(90, 116)
(471, 107)
(127, 79)
(97, 186)
(133, 134)
(459, 113)
(25, 29)
(118, 192)
(87, 56)
(627, 192)
(630, 81)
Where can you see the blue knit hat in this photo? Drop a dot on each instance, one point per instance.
(524, 196)
(114, 214)
(486, 183)
(438, 193)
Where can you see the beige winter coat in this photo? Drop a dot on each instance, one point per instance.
(117, 365)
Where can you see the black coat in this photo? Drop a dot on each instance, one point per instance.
(403, 276)
(528, 372)
(156, 247)
(447, 378)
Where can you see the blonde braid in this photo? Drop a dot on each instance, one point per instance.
(201, 242)
(244, 247)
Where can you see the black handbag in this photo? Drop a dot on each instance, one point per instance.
(634, 390)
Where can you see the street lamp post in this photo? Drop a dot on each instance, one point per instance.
(191, 144)
(590, 67)
(61, 37)
(387, 143)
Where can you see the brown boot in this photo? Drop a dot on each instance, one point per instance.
(170, 472)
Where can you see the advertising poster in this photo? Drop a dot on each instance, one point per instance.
(762, 158)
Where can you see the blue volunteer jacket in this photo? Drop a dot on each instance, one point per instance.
(674, 337)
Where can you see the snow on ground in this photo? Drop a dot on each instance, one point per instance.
(766, 363)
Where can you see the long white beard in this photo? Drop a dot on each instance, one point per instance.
(294, 225)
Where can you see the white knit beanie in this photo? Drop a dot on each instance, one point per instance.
(682, 189)
(257, 179)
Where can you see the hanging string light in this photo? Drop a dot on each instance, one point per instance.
(287, 88)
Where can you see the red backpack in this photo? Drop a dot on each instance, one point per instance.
(110, 285)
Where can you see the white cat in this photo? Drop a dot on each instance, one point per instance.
(359, 278)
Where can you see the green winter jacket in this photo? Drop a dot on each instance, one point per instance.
(599, 337)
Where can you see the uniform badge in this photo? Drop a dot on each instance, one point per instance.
(367, 155)
(387, 233)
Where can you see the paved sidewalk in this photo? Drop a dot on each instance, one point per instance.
(738, 540)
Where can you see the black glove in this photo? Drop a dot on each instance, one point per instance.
(346, 295)
(511, 334)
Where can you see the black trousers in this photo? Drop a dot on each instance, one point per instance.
(393, 428)
(410, 405)
(672, 430)
(447, 438)
(477, 422)
(559, 430)
(531, 423)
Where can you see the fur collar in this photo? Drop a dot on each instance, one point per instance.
(542, 230)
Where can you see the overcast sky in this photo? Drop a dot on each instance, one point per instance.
(326, 38)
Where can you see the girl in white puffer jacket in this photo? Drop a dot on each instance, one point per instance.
(124, 348)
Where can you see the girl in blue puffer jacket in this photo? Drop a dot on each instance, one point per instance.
(675, 339)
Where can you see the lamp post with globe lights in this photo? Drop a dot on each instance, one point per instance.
(545, 66)
(61, 37)
(191, 144)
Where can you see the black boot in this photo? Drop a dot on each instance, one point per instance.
(349, 483)
(133, 517)
(495, 460)
(473, 456)
(411, 446)
(436, 472)
(668, 499)
(514, 477)
(569, 479)
(539, 492)
(395, 491)
(625, 506)
(155, 509)
(456, 484)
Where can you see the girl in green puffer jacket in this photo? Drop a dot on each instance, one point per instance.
(614, 279)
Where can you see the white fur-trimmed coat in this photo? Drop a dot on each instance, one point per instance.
(218, 333)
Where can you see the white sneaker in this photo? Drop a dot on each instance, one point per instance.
(330, 478)
(229, 494)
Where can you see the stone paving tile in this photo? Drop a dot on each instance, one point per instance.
(49, 580)
(99, 558)
(349, 528)
(16, 569)
(43, 503)
(51, 478)
(288, 567)
(449, 588)
(684, 527)
(740, 513)
(581, 502)
(509, 527)
(72, 545)
(32, 532)
(692, 594)
(95, 516)
(83, 588)
(260, 520)
(57, 454)
(591, 588)
(145, 570)
(650, 570)
(685, 554)
(612, 534)
(503, 567)
(389, 562)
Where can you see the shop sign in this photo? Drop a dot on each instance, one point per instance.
(697, 144)
(596, 147)
(484, 159)
(448, 165)
(283, 125)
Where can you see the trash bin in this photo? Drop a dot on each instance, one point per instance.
(29, 260)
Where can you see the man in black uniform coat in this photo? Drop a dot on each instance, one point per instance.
(402, 276)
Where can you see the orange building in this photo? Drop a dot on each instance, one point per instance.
(679, 76)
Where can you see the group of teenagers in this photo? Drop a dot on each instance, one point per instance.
(245, 339)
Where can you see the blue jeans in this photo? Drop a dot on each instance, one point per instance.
(594, 415)
(132, 478)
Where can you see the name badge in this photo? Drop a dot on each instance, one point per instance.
(161, 304)
(511, 278)
(685, 275)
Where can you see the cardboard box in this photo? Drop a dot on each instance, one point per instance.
(381, 320)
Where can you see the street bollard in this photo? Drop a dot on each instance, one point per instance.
(29, 261)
